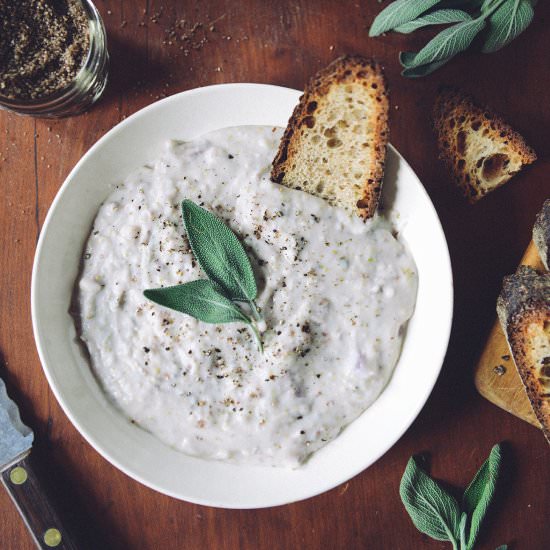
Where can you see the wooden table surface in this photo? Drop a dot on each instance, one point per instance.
(284, 42)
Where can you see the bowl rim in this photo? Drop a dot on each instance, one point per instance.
(448, 299)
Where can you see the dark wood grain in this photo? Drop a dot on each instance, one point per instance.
(283, 43)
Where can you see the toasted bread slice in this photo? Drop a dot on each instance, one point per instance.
(480, 149)
(334, 146)
(541, 232)
(524, 311)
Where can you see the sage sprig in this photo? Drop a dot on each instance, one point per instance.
(224, 260)
(220, 254)
(398, 13)
(199, 299)
(443, 47)
(438, 514)
(480, 493)
(499, 21)
(432, 510)
(439, 17)
(507, 22)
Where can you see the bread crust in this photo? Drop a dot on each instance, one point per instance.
(456, 115)
(345, 69)
(541, 232)
(524, 305)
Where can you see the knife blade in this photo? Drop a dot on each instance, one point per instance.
(23, 485)
(15, 438)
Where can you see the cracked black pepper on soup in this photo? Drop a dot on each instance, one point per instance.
(335, 294)
(43, 44)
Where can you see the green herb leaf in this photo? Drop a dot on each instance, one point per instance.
(502, 547)
(486, 4)
(416, 72)
(200, 300)
(432, 510)
(438, 17)
(466, 4)
(399, 13)
(506, 23)
(219, 253)
(462, 529)
(507, 19)
(480, 492)
(407, 59)
(448, 43)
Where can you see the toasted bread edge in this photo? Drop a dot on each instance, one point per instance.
(337, 72)
(522, 302)
(452, 101)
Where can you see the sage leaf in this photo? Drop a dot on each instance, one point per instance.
(506, 23)
(466, 4)
(480, 492)
(432, 510)
(438, 17)
(200, 300)
(506, 19)
(399, 13)
(488, 4)
(416, 72)
(423, 70)
(407, 59)
(462, 529)
(219, 253)
(448, 43)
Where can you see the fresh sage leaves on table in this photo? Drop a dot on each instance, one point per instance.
(480, 493)
(432, 510)
(506, 23)
(443, 47)
(439, 17)
(438, 514)
(224, 260)
(398, 13)
(499, 21)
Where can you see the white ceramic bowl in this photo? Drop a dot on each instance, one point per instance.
(137, 453)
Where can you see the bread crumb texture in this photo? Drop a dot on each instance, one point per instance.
(481, 150)
(334, 146)
(524, 311)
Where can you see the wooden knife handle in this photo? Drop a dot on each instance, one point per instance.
(36, 510)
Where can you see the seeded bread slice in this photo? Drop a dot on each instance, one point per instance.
(334, 146)
(524, 311)
(480, 149)
(541, 232)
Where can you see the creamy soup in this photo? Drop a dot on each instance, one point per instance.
(335, 294)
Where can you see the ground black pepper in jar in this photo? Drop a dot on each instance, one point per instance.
(53, 56)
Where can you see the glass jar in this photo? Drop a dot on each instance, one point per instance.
(84, 90)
